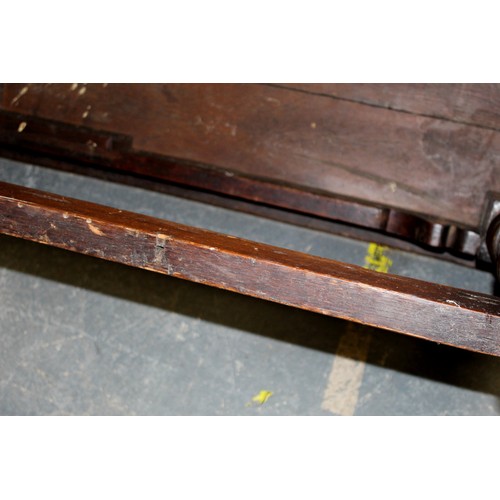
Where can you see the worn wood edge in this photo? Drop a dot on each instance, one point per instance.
(434, 312)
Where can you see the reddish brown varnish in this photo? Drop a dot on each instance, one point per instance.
(442, 314)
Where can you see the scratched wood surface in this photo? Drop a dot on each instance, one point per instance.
(470, 104)
(408, 159)
(439, 313)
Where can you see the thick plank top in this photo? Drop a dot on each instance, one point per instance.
(431, 149)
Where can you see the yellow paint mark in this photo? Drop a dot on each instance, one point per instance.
(376, 259)
(346, 375)
(261, 398)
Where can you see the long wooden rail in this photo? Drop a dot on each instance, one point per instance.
(434, 312)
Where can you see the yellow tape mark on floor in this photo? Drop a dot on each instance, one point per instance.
(344, 382)
(348, 366)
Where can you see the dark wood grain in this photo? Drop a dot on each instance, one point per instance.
(434, 312)
(426, 165)
(295, 218)
(54, 139)
(472, 104)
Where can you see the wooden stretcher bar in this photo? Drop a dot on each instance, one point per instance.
(434, 312)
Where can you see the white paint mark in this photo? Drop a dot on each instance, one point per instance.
(393, 186)
(96, 230)
(19, 95)
(208, 126)
(342, 388)
(160, 238)
(232, 128)
(160, 258)
(86, 112)
(65, 215)
(313, 125)
(82, 91)
(453, 302)
(273, 100)
(22, 126)
(73, 87)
